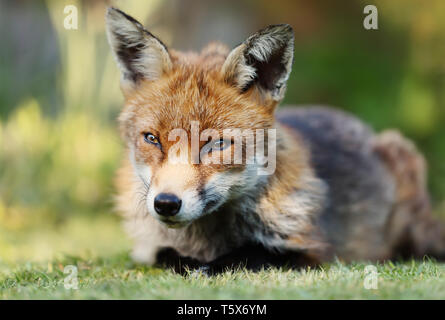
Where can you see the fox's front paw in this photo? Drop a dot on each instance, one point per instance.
(169, 258)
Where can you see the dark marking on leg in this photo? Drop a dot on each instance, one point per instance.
(251, 257)
(169, 258)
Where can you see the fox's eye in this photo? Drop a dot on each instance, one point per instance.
(221, 144)
(151, 138)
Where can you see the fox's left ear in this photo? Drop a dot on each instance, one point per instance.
(264, 60)
(139, 54)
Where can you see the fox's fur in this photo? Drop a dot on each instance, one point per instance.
(339, 189)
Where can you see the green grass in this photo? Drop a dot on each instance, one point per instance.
(32, 262)
(118, 278)
(59, 149)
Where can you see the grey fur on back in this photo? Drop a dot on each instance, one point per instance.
(361, 190)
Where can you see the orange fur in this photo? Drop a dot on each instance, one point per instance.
(193, 91)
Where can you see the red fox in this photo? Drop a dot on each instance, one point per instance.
(336, 189)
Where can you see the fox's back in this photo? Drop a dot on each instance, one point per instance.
(361, 192)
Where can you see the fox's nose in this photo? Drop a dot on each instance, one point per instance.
(167, 204)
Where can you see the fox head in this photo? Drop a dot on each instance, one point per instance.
(183, 106)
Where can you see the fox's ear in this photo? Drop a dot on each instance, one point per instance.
(139, 54)
(263, 60)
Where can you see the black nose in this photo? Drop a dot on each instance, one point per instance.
(167, 204)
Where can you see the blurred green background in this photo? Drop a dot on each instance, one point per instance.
(59, 97)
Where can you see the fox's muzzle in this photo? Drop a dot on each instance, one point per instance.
(167, 204)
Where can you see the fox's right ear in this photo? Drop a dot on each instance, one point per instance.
(263, 61)
(139, 54)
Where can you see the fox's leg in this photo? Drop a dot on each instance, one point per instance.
(147, 240)
(169, 258)
(251, 257)
(257, 257)
(411, 230)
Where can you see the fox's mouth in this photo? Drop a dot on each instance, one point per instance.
(173, 223)
(176, 222)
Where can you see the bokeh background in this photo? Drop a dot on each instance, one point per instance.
(59, 98)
